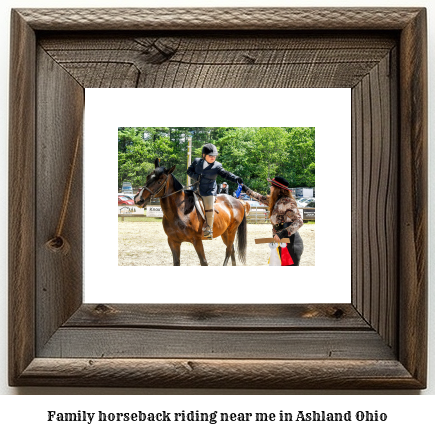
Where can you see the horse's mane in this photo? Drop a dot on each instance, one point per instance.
(177, 184)
(155, 173)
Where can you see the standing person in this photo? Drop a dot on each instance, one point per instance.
(284, 216)
(224, 188)
(205, 170)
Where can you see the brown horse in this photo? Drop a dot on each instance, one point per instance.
(181, 221)
(247, 206)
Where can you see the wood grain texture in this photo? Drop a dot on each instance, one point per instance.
(59, 278)
(378, 342)
(357, 228)
(388, 300)
(220, 18)
(233, 343)
(413, 189)
(228, 374)
(22, 177)
(375, 201)
(233, 61)
(220, 317)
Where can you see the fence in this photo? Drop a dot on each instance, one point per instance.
(260, 214)
(257, 215)
(129, 216)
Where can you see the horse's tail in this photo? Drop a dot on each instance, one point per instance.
(242, 239)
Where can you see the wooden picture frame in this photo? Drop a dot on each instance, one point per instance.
(377, 341)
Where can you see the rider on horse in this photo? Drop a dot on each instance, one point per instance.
(205, 170)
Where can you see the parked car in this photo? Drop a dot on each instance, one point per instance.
(307, 202)
(258, 212)
(311, 204)
(301, 201)
(129, 195)
(124, 200)
(244, 196)
(252, 202)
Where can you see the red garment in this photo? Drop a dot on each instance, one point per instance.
(286, 259)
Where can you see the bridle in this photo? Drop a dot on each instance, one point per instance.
(153, 194)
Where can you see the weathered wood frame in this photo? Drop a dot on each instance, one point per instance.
(377, 341)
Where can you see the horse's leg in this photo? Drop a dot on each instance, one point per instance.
(197, 243)
(230, 249)
(233, 256)
(175, 249)
(228, 238)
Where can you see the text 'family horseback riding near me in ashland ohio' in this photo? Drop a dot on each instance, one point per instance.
(215, 417)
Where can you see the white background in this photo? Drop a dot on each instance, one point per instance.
(328, 110)
(408, 413)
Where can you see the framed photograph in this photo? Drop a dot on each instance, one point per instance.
(375, 341)
(138, 243)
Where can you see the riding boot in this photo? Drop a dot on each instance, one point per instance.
(209, 216)
(208, 225)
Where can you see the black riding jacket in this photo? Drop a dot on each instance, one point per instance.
(208, 175)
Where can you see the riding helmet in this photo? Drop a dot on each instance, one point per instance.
(209, 149)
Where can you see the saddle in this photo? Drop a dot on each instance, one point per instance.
(199, 204)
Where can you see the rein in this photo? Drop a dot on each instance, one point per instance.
(167, 195)
(175, 192)
(164, 185)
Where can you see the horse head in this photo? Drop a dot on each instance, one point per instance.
(155, 186)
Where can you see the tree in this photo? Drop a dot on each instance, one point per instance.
(301, 159)
(254, 153)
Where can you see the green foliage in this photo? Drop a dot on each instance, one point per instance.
(254, 153)
(300, 162)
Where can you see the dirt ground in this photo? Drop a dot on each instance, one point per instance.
(145, 243)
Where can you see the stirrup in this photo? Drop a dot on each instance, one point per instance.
(207, 231)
